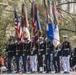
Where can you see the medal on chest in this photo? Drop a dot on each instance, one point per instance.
(66, 44)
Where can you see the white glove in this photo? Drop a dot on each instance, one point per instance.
(4, 49)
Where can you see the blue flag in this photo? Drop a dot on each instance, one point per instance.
(53, 34)
(15, 15)
(38, 26)
(50, 31)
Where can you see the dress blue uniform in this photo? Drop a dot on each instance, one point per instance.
(49, 52)
(56, 60)
(11, 52)
(41, 52)
(24, 54)
(74, 56)
(18, 52)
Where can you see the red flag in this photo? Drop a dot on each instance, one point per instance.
(33, 21)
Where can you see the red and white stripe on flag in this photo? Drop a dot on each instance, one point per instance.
(18, 28)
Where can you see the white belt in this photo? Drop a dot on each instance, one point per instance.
(66, 49)
(41, 49)
(33, 48)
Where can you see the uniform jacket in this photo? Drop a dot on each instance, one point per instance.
(10, 49)
(66, 48)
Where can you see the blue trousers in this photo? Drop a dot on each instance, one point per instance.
(56, 62)
(9, 63)
(17, 62)
(24, 58)
(29, 69)
(48, 65)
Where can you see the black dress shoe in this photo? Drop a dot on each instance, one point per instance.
(47, 71)
(65, 72)
(33, 72)
(40, 71)
(17, 72)
(8, 71)
(68, 72)
(24, 72)
(59, 72)
(56, 72)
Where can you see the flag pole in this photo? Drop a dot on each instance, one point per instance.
(22, 27)
(38, 47)
(46, 6)
(55, 21)
(15, 29)
(32, 29)
(46, 27)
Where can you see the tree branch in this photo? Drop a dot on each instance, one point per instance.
(67, 30)
(30, 1)
(72, 19)
(66, 11)
(65, 3)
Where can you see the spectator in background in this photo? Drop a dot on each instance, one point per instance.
(75, 57)
(29, 65)
(1, 64)
(5, 61)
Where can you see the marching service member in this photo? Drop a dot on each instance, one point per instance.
(18, 52)
(11, 52)
(41, 53)
(66, 50)
(49, 53)
(33, 56)
(24, 53)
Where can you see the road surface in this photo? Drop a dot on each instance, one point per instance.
(72, 73)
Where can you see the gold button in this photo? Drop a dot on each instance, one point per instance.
(23, 54)
(31, 53)
(16, 53)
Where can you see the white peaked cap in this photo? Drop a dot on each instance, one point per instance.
(65, 36)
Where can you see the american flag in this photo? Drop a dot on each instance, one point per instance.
(18, 27)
